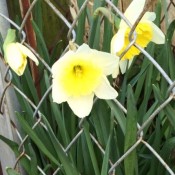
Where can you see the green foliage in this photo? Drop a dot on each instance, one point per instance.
(131, 133)
(11, 171)
(10, 38)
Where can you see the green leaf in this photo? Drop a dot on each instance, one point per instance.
(33, 161)
(87, 163)
(94, 33)
(107, 36)
(29, 83)
(140, 78)
(1, 44)
(36, 139)
(38, 14)
(101, 121)
(41, 43)
(81, 24)
(156, 145)
(169, 54)
(10, 38)
(91, 149)
(57, 114)
(169, 111)
(167, 154)
(158, 13)
(170, 32)
(131, 133)
(67, 165)
(11, 171)
(104, 169)
(118, 114)
(14, 146)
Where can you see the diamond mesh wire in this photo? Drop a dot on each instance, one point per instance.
(38, 115)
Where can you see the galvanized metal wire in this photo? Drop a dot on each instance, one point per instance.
(37, 115)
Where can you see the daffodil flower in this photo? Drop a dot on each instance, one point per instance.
(16, 56)
(146, 31)
(81, 74)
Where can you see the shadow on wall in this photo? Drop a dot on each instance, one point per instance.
(1, 169)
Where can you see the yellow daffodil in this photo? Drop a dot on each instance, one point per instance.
(81, 74)
(146, 31)
(16, 56)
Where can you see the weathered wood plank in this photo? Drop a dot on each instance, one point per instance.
(7, 157)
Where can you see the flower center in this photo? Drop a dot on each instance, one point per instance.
(80, 77)
(144, 35)
(78, 70)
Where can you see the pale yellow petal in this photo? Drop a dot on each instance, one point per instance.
(58, 94)
(82, 105)
(15, 59)
(106, 61)
(150, 16)
(105, 90)
(117, 41)
(25, 51)
(125, 64)
(158, 35)
(116, 71)
(58, 66)
(84, 48)
(103, 59)
(13, 54)
(21, 69)
(133, 11)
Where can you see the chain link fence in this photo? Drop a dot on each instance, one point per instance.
(38, 115)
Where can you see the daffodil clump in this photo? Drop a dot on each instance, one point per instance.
(16, 54)
(146, 31)
(81, 74)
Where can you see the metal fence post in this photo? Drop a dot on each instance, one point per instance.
(10, 105)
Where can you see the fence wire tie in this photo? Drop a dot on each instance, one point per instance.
(5, 89)
(171, 89)
(18, 159)
(2, 97)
